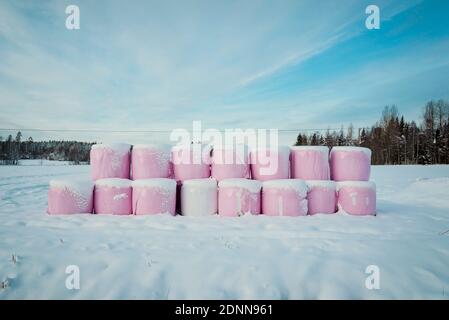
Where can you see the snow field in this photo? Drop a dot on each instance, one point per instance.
(251, 257)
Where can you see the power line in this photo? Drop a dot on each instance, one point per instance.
(158, 131)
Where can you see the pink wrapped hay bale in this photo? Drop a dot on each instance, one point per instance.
(310, 162)
(191, 161)
(357, 197)
(150, 161)
(350, 163)
(154, 196)
(321, 197)
(199, 197)
(285, 197)
(270, 163)
(113, 196)
(237, 197)
(68, 197)
(230, 162)
(110, 161)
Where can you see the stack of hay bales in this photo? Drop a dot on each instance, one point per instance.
(197, 180)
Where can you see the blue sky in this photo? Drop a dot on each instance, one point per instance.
(159, 65)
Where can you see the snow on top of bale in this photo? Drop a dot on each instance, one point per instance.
(164, 183)
(153, 146)
(114, 182)
(311, 148)
(367, 151)
(321, 184)
(82, 187)
(201, 183)
(81, 191)
(117, 147)
(291, 184)
(356, 184)
(253, 186)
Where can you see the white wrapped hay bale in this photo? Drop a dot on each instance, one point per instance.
(199, 197)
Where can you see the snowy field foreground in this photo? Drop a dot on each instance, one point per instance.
(252, 257)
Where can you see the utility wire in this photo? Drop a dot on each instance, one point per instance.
(157, 131)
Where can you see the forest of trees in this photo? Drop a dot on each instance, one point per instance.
(14, 149)
(392, 139)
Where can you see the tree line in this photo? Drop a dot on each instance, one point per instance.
(14, 149)
(393, 140)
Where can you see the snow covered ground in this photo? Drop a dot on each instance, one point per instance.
(43, 162)
(160, 257)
